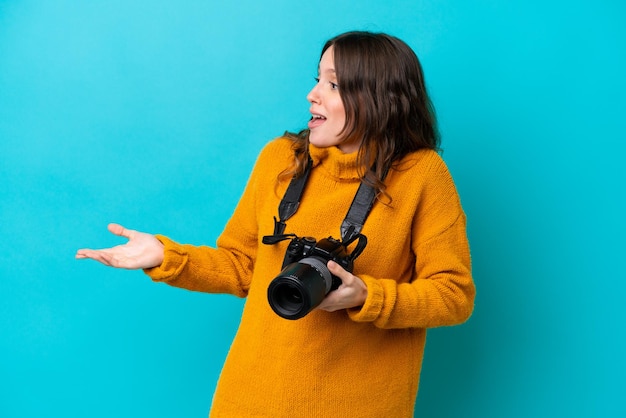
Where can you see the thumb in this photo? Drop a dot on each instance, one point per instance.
(337, 270)
(119, 230)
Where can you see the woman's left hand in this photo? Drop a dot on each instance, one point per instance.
(352, 291)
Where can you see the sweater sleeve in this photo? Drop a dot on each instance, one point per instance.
(441, 291)
(228, 267)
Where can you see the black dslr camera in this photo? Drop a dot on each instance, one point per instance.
(305, 279)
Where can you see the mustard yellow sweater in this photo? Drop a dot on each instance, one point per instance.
(361, 362)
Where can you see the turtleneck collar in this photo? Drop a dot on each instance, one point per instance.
(335, 162)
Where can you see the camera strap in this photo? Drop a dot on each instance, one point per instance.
(359, 209)
(291, 200)
(351, 225)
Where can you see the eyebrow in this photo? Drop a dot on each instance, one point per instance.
(330, 70)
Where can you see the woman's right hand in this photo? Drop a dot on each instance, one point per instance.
(142, 250)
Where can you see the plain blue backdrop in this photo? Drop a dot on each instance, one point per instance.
(151, 114)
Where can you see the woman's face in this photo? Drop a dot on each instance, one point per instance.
(328, 115)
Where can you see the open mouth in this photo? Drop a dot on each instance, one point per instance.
(316, 120)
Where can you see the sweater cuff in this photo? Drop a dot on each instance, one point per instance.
(374, 303)
(174, 260)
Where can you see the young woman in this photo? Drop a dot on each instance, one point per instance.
(359, 352)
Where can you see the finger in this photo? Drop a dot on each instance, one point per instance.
(119, 230)
(96, 255)
(82, 253)
(338, 271)
(330, 302)
(88, 252)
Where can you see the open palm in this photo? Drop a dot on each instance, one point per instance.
(141, 251)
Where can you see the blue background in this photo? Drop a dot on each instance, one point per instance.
(151, 114)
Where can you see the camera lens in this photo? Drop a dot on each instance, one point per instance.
(289, 297)
(299, 288)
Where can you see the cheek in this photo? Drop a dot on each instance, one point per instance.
(339, 113)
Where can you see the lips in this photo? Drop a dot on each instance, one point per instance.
(316, 120)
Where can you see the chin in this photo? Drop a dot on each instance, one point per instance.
(320, 143)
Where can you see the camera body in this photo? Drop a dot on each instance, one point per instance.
(326, 249)
(305, 279)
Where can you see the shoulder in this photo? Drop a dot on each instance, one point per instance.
(280, 147)
(424, 178)
(423, 166)
(276, 155)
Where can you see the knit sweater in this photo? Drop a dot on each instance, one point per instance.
(359, 362)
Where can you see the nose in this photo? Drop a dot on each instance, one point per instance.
(313, 97)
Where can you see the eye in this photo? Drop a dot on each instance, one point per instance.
(333, 86)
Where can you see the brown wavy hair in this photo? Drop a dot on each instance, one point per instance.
(381, 84)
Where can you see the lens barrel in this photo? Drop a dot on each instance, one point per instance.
(299, 288)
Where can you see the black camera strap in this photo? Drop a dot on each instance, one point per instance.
(359, 209)
(351, 225)
(291, 200)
